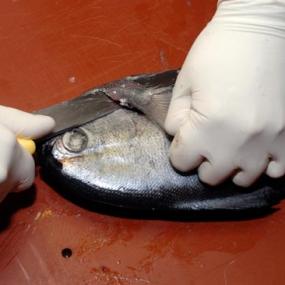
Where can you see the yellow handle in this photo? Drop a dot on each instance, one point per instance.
(28, 144)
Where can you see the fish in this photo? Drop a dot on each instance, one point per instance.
(120, 160)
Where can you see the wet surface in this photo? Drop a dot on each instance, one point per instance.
(54, 50)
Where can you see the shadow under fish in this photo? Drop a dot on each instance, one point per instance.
(120, 160)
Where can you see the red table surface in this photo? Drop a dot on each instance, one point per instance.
(52, 50)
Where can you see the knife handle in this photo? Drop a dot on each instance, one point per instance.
(28, 144)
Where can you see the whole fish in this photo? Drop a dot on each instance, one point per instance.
(121, 158)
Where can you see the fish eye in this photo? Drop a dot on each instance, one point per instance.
(75, 140)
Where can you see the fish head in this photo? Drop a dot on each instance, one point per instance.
(107, 151)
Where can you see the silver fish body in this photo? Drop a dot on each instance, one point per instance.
(121, 159)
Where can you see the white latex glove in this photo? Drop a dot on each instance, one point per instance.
(228, 106)
(17, 167)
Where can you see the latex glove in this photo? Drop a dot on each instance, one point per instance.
(17, 167)
(228, 105)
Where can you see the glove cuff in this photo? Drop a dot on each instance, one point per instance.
(260, 16)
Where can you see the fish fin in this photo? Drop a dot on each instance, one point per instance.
(148, 93)
(160, 85)
(157, 108)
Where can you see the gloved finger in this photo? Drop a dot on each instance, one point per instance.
(214, 173)
(7, 149)
(275, 169)
(179, 108)
(184, 152)
(25, 124)
(22, 169)
(250, 173)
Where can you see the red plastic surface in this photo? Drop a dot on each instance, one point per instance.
(52, 50)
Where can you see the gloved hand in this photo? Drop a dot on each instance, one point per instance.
(228, 107)
(17, 166)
